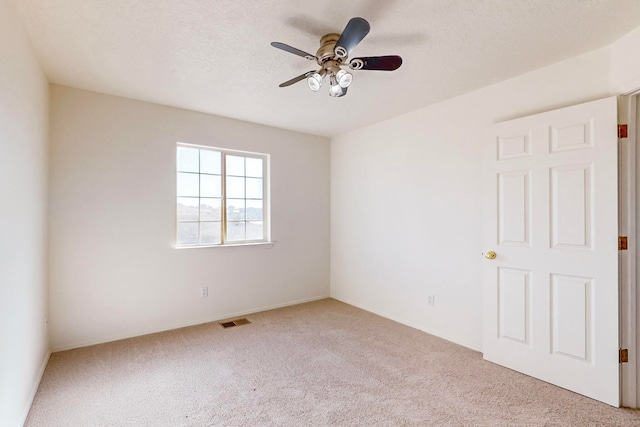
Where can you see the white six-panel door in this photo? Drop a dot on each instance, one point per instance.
(551, 293)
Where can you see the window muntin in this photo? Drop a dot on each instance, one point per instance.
(221, 196)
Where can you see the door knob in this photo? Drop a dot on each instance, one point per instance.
(490, 255)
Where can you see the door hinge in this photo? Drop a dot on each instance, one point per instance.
(622, 243)
(624, 355)
(622, 131)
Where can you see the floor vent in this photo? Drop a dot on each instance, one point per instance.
(232, 323)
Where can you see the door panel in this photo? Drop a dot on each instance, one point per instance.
(551, 294)
(511, 147)
(572, 136)
(513, 209)
(571, 210)
(513, 304)
(571, 316)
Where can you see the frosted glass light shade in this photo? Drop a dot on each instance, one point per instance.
(314, 81)
(335, 90)
(344, 78)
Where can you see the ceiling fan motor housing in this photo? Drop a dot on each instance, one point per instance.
(326, 50)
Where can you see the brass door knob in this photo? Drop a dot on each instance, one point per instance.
(490, 255)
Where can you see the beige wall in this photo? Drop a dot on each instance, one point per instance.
(23, 202)
(114, 270)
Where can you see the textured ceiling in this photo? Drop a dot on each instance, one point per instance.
(214, 55)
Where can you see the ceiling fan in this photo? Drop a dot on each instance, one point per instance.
(333, 53)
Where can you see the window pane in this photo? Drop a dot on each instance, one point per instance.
(235, 231)
(210, 209)
(254, 188)
(187, 159)
(210, 162)
(235, 165)
(187, 233)
(235, 209)
(235, 187)
(207, 199)
(255, 230)
(254, 167)
(187, 208)
(210, 233)
(187, 184)
(210, 186)
(254, 209)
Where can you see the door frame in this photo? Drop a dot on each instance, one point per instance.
(629, 225)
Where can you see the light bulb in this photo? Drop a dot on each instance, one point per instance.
(314, 81)
(344, 78)
(335, 90)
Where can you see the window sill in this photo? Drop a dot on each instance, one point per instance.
(264, 245)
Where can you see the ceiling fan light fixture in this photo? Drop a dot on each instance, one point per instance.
(314, 81)
(335, 89)
(344, 78)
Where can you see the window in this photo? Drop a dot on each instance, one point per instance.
(221, 196)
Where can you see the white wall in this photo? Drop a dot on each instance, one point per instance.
(406, 199)
(114, 270)
(23, 204)
(625, 63)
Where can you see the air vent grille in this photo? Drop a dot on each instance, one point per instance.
(232, 323)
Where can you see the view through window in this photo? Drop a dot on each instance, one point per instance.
(221, 196)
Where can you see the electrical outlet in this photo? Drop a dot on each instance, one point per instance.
(431, 300)
(204, 291)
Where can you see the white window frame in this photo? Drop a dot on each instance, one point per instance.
(266, 211)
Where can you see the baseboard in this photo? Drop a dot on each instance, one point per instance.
(214, 318)
(34, 389)
(407, 323)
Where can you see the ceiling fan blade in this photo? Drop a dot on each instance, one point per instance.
(293, 50)
(353, 34)
(382, 63)
(296, 79)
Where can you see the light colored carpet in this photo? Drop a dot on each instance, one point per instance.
(317, 364)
